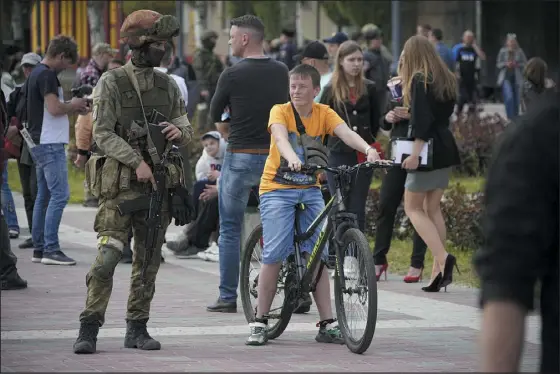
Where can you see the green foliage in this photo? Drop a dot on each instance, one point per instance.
(160, 6)
(358, 13)
(476, 138)
(333, 12)
(270, 13)
(461, 210)
(239, 8)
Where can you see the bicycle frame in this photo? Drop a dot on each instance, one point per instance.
(330, 226)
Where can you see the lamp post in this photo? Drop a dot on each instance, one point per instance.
(180, 40)
(395, 32)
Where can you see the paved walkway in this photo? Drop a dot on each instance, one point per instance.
(415, 331)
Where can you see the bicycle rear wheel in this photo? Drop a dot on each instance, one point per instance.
(281, 310)
(361, 285)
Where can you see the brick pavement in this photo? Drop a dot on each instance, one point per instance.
(415, 331)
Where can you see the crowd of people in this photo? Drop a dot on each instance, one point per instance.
(265, 111)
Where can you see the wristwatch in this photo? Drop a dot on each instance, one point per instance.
(367, 149)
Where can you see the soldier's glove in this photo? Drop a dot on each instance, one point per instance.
(182, 209)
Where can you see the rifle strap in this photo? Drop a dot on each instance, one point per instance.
(152, 150)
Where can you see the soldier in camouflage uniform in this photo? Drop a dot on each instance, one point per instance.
(123, 171)
(207, 67)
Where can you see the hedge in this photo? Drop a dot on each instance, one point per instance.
(461, 210)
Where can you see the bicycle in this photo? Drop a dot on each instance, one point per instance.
(296, 278)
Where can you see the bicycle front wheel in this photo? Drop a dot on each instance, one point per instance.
(358, 296)
(281, 309)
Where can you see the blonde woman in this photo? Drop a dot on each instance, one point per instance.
(430, 91)
(355, 100)
(510, 63)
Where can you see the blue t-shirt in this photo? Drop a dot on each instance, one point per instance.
(455, 49)
(446, 55)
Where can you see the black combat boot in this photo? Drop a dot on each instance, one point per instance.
(87, 338)
(137, 336)
(14, 282)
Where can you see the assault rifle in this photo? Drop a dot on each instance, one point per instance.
(153, 203)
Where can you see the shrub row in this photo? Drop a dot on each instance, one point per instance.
(461, 211)
(476, 137)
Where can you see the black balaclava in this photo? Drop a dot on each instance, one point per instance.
(147, 56)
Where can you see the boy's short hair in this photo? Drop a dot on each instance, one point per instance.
(65, 45)
(308, 71)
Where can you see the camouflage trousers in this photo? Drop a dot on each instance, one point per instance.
(113, 230)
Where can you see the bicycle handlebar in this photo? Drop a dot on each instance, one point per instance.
(343, 169)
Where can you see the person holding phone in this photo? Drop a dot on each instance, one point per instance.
(430, 91)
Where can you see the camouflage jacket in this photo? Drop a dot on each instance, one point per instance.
(109, 106)
(207, 67)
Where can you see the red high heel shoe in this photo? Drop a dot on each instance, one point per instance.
(412, 278)
(384, 268)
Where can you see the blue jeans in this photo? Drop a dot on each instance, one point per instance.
(278, 215)
(240, 171)
(510, 96)
(8, 205)
(53, 193)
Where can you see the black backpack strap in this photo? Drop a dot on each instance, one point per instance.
(299, 124)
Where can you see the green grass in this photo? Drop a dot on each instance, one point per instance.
(75, 180)
(399, 262)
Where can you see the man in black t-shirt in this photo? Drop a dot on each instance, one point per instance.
(250, 89)
(467, 71)
(49, 130)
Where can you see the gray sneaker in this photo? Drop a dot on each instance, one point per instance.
(330, 334)
(258, 334)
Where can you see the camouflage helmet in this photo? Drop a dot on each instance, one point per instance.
(210, 34)
(144, 26)
(369, 27)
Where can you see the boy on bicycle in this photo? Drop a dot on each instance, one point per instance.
(280, 192)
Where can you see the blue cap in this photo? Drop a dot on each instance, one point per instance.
(336, 38)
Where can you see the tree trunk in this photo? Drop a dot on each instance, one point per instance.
(201, 24)
(96, 20)
(288, 14)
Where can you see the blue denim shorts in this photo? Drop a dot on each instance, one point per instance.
(278, 212)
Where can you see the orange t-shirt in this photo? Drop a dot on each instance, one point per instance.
(323, 121)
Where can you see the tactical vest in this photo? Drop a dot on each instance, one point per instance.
(131, 111)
